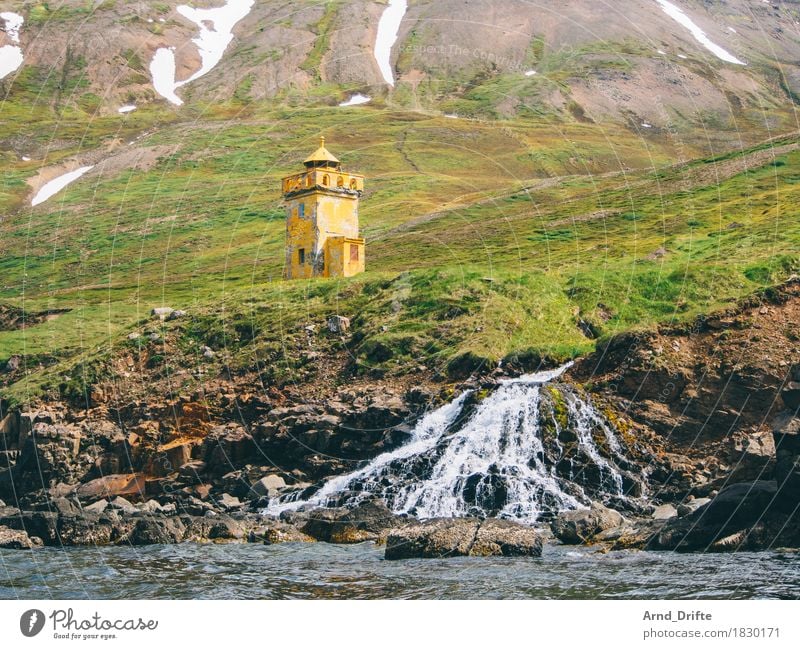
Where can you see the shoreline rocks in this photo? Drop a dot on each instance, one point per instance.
(466, 537)
(582, 525)
(11, 539)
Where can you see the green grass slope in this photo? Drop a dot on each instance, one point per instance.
(484, 239)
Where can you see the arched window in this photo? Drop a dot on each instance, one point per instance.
(339, 181)
(353, 184)
(309, 180)
(325, 180)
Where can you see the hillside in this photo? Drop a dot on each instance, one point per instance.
(506, 212)
(612, 184)
(507, 264)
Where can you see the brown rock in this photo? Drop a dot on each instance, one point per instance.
(130, 485)
(17, 539)
(449, 537)
(280, 532)
(581, 525)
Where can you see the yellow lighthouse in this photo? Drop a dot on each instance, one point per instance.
(322, 219)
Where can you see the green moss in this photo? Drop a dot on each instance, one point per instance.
(322, 41)
(559, 407)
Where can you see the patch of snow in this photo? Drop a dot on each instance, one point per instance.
(216, 33)
(677, 14)
(126, 109)
(662, 52)
(11, 55)
(530, 73)
(212, 43)
(451, 116)
(13, 24)
(356, 100)
(26, 158)
(646, 125)
(149, 20)
(388, 28)
(57, 184)
(162, 70)
(10, 59)
(682, 56)
(732, 30)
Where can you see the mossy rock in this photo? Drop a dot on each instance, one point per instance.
(466, 364)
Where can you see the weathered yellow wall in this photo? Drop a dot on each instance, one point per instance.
(354, 267)
(335, 266)
(300, 233)
(340, 263)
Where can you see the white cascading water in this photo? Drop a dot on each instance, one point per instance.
(492, 463)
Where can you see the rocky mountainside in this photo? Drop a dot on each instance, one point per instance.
(704, 420)
(610, 183)
(647, 63)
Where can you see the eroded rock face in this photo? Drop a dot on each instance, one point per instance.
(742, 516)
(705, 400)
(453, 537)
(786, 436)
(581, 525)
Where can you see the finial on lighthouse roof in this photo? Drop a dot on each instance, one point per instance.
(321, 157)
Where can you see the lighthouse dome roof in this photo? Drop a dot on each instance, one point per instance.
(321, 156)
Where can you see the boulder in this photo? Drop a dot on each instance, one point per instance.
(17, 539)
(498, 537)
(151, 507)
(786, 433)
(338, 324)
(156, 530)
(741, 507)
(60, 505)
(319, 523)
(439, 537)
(227, 447)
(791, 395)
(86, 528)
(97, 507)
(581, 525)
(665, 512)
(43, 525)
(269, 485)
(120, 484)
(450, 537)
(226, 501)
(686, 508)
(213, 528)
(739, 504)
(787, 474)
(126, 506)
(161, 312)
(365, 522)
(752, 457)
(276, 532)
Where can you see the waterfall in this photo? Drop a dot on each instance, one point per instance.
(525, 451)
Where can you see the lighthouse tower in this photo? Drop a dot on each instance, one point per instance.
(322, 238)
